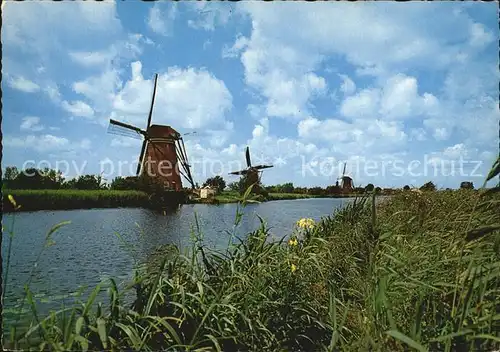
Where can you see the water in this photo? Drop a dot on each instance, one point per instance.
(87, 251)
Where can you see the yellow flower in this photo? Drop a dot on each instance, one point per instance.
(306, 223)
(294, 267)
(293, 242)
(12, 200)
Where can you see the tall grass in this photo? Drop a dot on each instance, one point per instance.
(420, 271)
(74, 199)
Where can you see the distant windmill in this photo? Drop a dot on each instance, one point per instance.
(164, 148)
(252, 173)
(346, 182)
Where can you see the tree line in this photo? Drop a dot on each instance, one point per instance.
(33, 178)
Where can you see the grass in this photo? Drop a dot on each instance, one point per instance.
(74, 199)
(235, 197)
(420, 271)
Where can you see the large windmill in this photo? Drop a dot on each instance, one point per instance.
(252, 174)
(346, 182)
(163, 154)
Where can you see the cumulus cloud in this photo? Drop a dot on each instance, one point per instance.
(31, 123)
(398, 98)
(23, 84)
(160, 19)
(78, 108)
(185, 98)
(42, 143)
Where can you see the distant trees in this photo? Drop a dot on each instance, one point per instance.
(369, 187)
(124, 183)
(467, 185)
(32, 178)
(406, 188)
(283, 188)
(216, 182)
(429, 186)
(233, 186)
(86, 182)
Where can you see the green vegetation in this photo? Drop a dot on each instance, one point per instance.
(74, 199)
(235, 197)
(420, 271)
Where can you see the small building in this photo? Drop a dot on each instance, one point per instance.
(207, 192)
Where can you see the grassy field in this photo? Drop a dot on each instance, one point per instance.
(73, 199)
(234, 196)
(420, 271)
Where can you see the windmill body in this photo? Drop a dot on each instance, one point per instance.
(161, 160)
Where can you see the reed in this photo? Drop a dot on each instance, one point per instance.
(419, 271)
(74, 199)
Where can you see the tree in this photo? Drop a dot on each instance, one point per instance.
(333, 190)
(406, 188)
(317, 191)
(33, 178)
(378, 190)
(429, 186)
(125, 183)
(369, 187)
(11, 173)
(233, 186)
(216, 182)
(467, 185)
(9, 177)
(87, 182)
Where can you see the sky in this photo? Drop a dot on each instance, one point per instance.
(402, 93)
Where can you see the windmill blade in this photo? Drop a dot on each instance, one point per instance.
(152, 103)
(343, 172)
(125, 132)
(186, 161)
(247, 154)
(121, 126)
(241, 172)
(141, 157)
(259, 167)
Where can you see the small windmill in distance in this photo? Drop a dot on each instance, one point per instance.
(346, 182)
(252, 174)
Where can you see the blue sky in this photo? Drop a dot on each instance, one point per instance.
(403, 92)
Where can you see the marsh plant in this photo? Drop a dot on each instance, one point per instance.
(419, 271)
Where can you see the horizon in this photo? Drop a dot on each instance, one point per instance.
(386, 89)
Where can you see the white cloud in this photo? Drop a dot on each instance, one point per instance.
(42, 143)
(23, 84)
(210, 14)
(96, 58)
(185, 98)
(31, 123)
(160, 21)
(234, 51)
(479, 37)
(348, 87)
(398, 98)
(78, 108)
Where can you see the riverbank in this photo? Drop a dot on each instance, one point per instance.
(419, 270)
(32, 200)
(234, 196)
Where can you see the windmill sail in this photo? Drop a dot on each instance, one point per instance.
(117, 128)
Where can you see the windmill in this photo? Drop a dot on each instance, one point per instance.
(346, 182)
(252, 173)
(163, 154)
